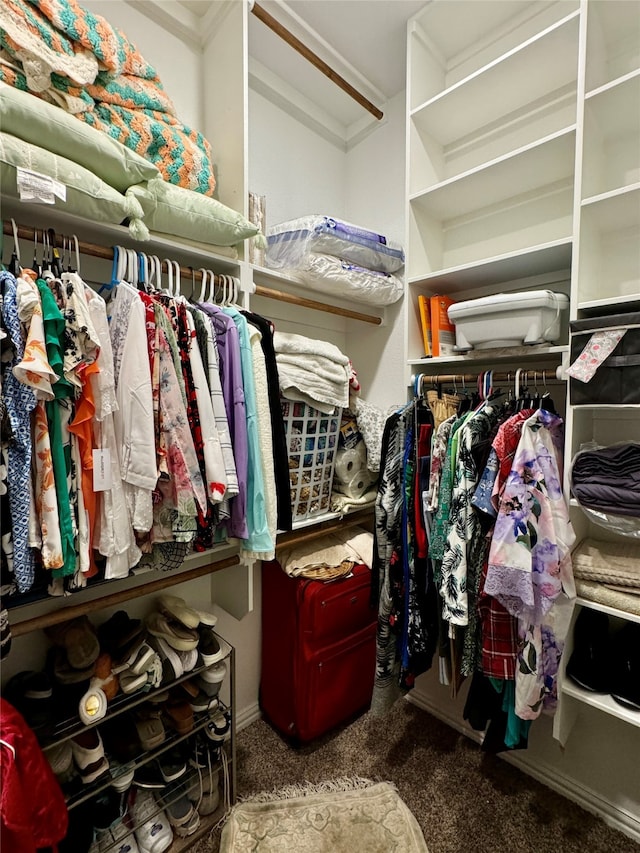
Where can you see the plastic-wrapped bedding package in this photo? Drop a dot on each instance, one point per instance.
(289, 242)
(333, 276)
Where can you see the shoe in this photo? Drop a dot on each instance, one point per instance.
(202, 702)
(589, 664)
(122, 776)
(104, 677)
(204, 789)
(208, 646)
(88, 754)
(177, 608)
(92, 706)
(148, 776)
(625, 665)
(79, 640)
(120, 636)
(210, 679)
(188, 659)
(172, 764)
(180, 811)
(218, 729)
(149, 726)
(130, 681)
(121, 738)
(171, 663)
(66, 674)
(60, 758)
(106, 810)
(172, 632)
(31, 693)
(152, 829)
(178, 714)
(119, 839)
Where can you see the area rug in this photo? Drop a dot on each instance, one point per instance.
(351, 815)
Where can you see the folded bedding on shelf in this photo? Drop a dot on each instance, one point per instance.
(613, 563)
(74, 59)
(289, 242)
(313, 371)
(607, 479)
(337, 277)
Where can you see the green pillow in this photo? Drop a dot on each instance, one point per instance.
(36, 121)
(86, 194)
(170, 209)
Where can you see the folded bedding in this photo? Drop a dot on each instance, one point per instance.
(337, 277)
(607, 479)
(67, 56)
(289, 242)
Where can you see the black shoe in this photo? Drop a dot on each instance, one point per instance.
(589, 665)
(148, 776)
(625, 665)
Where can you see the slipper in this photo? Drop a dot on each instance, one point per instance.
(150, 729)
(189, 687)
(88, 754)
(78, 638)
(177, 608)
(174, 633)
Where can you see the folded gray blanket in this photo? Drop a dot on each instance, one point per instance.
(613, 563)
(608, 479)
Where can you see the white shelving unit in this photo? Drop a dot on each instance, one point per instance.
(523, 172)
(491, 157)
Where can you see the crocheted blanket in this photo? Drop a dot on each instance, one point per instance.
(69, 56)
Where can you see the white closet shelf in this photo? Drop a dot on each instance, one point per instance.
(513, 355)
(610, 104)
(616, 210)
(600, 701)
(617, 25)
(503, 85)
(613, 301)
(545, 258)
(117, 235)
(610, 611)
(527, 170)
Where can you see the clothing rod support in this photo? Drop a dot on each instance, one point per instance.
(314, 59)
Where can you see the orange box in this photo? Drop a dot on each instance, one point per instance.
(443, 334)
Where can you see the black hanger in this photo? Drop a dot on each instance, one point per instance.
(56, 269)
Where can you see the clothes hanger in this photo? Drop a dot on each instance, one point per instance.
(9, 746)
(203, 284)
(56, 269)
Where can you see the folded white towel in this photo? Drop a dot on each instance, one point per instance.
(284, 342)
(301, 384)
(321, 367)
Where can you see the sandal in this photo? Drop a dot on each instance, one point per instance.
(177, 608)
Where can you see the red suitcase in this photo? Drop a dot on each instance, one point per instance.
(318, 651)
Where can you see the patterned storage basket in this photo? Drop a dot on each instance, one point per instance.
(312, 439)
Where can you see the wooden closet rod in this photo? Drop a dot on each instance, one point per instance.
(269, 293)
(542, 376)
(114, 598)
(106, 253)
(314, 59)
(90, 249)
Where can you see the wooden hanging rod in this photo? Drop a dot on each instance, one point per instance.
(269, 293)
(106, 253)
(314, 59)
(91, 249)
(536, 375)
(61, 614)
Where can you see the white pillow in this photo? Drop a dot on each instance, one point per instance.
(328, 274)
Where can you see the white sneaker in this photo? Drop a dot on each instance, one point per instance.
(152, 830)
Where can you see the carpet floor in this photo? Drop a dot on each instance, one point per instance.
(465, 800)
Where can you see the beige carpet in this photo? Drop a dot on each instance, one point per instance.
(349, 815)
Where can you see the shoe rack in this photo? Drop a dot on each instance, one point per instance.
(81, 795)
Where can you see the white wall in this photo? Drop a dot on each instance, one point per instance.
(179, 65)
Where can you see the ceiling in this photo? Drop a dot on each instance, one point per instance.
(363, 41)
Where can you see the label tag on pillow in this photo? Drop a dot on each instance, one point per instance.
(34, 187)
(101, 470)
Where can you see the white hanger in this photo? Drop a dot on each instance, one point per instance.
(9, 746)
(203, 283)
(16, 244)
(178, 289)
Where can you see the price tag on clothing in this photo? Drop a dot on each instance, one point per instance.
(35, 187)
(101, 470)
